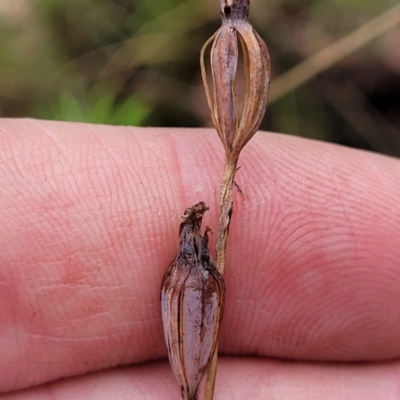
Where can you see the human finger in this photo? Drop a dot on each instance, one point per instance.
(89, 225)
(238, 378)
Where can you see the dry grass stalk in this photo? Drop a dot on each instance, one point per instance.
(334, 53)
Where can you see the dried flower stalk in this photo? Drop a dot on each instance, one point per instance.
(234, 131)
(192, 303)
(193, 289)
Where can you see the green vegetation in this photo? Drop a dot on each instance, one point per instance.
(135, 62)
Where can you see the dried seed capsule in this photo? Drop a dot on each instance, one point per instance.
(192, 303)
(233, 130)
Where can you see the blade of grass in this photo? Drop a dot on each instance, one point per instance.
(326, 58)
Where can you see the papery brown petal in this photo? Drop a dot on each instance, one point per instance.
(210, 100)
(200, 309)
(257, 69)
(224, 61)
(264, 88)
(170, 303)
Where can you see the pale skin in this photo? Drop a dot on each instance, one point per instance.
(89, 224)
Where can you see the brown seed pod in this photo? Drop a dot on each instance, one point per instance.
(192, 303)
(233, 130)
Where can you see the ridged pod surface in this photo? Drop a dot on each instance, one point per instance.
(192, 303)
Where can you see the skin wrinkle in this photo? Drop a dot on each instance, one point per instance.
(178, 169)
(118, 200)
(194, 164)
(255, 378)
(168, 184)
(155, 237)
(57, 154)
(284, 235)
(135, 273)
(103, 173)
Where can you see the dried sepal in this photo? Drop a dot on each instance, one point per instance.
(233, 132)
(192, 303)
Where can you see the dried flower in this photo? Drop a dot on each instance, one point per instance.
(192, 303)
(235, 132)
(193, 289)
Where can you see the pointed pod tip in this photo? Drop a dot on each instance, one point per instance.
(208, 230)
(235, 9)
(195, 212)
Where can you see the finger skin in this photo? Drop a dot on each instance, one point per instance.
(89, 218)
(238, 378)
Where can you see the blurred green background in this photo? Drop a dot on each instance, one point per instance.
(135, 62)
